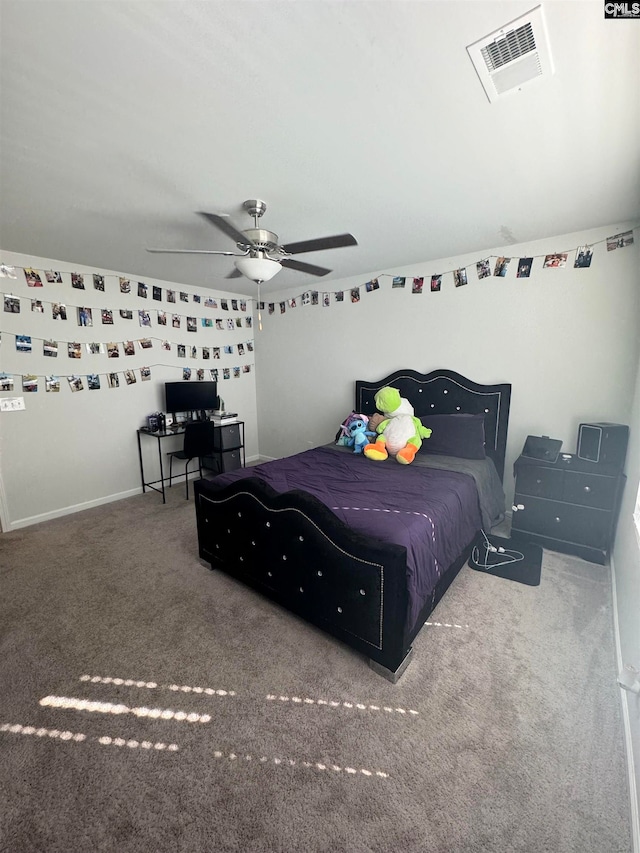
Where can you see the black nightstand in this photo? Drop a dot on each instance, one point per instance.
(571, 505)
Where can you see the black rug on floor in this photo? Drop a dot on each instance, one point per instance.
(514, 560)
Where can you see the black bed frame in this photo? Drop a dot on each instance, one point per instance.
(293, 549)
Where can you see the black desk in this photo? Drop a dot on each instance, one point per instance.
(223, 446)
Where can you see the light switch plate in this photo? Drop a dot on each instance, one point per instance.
(11, 404)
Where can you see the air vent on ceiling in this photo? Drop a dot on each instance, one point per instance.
(513, 56)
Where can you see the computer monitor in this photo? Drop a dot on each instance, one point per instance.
(187, 396)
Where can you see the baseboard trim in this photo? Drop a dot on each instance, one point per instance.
(4, 511)
(626, 721)
(69, 510)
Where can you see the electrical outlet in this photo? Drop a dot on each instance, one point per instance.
(629, 678)
(11, 404)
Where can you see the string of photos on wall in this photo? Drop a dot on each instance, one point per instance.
(489, 266)
(492, 265)
(76, 382)
(60, 311)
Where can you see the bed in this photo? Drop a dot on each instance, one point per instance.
(365, 550)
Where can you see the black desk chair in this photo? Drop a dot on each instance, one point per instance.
(198, 442)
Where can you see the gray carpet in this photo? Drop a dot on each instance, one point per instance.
(182, 712)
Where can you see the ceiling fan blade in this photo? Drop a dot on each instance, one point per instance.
(290, 264)
(195, 252)
(224, 223)
(335, 242)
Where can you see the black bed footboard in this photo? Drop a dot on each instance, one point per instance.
(294, 550)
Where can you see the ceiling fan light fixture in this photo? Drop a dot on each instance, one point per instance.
(258, 269)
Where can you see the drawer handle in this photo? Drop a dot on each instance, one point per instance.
(538, 482)
(558, 519)
(587, 488)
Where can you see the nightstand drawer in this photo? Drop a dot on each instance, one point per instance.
(567, 522)
(541, 482)
(590, 489)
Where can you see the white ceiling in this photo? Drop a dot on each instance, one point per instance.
(122, 119)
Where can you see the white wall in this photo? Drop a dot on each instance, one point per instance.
(567, 339)
(68, 451)
(626, 560)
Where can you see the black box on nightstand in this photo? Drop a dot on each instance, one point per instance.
(603, 443)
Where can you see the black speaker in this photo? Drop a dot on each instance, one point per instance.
(603, 443)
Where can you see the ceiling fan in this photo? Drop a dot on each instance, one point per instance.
(260, 255)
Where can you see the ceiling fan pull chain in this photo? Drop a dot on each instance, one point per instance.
(259, 311)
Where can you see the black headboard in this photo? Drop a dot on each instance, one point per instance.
(444, 392)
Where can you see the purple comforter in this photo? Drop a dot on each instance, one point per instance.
(433, 513)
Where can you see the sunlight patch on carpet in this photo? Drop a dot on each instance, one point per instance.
(211, 691)
(309, 765)
(78, 737)
(152, 685)
(334, 703)
(74, 704)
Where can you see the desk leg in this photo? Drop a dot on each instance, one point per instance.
(144, 486)
(164, 499)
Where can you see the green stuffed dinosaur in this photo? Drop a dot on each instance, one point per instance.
(401, 433)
